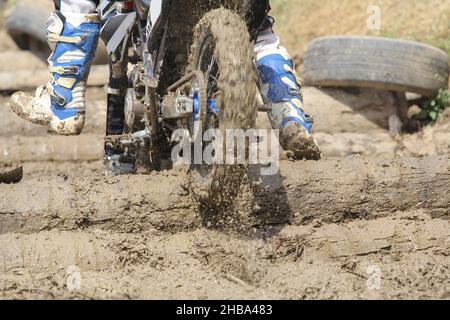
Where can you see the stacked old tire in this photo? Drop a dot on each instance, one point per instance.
(381, 63)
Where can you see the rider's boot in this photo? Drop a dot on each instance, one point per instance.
(281, 89)
(60, 105)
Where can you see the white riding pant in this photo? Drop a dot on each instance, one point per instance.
(267, 42)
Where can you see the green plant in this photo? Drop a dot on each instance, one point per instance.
(435, 106)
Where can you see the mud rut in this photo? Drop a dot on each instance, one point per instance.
(319, 230)
(369, 226)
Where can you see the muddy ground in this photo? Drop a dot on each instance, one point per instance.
(370, 221)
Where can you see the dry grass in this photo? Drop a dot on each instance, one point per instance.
(300, 21)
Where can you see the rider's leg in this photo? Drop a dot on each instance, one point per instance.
(281, 89)
(76, 6)
(72, 32)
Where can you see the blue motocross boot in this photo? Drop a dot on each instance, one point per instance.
(280, 88)
(60, 105)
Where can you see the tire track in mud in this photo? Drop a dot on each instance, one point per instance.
(166, 257)
(141, 236)
(52, 148)
(327, 261)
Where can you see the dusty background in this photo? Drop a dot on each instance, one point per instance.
(370, 221)
(300, 21)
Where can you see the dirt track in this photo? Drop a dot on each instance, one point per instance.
(368, 222)
(140, 237)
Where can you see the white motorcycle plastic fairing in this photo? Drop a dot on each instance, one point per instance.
(117, 29)
(155, 11)
(105, 7)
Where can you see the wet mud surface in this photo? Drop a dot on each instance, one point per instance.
(370, 221)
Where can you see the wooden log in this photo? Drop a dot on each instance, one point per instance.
(349, 110)
(377, 144)
(30, 79)
(327, 191)
(12, 125)
(51, 148)
(46, 147)
(13, 60)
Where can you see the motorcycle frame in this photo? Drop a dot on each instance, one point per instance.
(149, 21)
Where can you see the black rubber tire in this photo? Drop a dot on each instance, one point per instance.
(395, 65)
(9, 176)
(27, 26)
